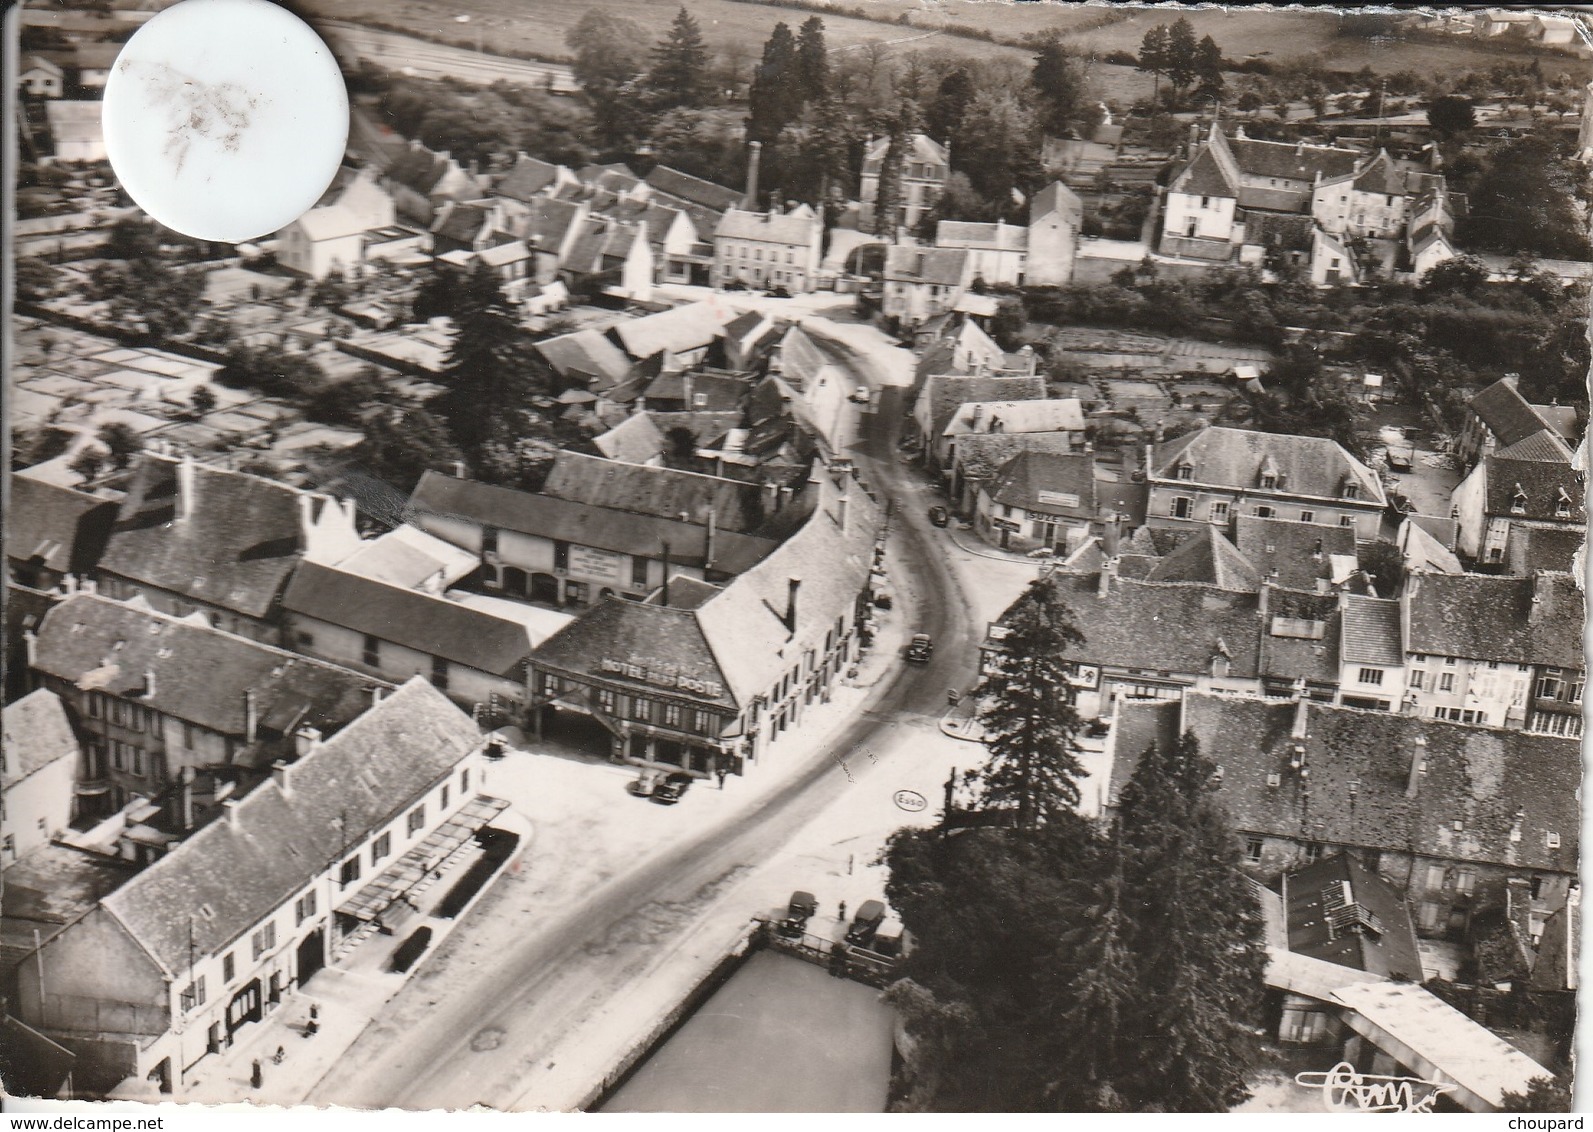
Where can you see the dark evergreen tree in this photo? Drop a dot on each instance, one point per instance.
(491, 373)
(1027, 712)
(121, 442)
(680, 66)
(1153, 57)
(776, 95)
(610, 56)
(1182, 54)
(949, 107)
(813, 60)
(1208, 71)
(400, 445)
(1064, 99)
(829, 148)
(1451, 114)
(889, 204)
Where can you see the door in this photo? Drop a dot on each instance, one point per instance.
(311, 954)
(244, 1007)
(545, 588)
(516, 581)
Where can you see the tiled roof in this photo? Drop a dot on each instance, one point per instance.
(1027, 475)
(659, 637)
(1380, 176)
(1336, 886)
(1506, 413)
(544, 223)
(661, 492)
(1542, 548)
(1258, 199)
(770, 227)
(1047, 415)
(945, 267)
(1164, 626)
(988, 451)
(1488, 781)
(201, 674)
(1300, 636)
(1563, 419)
(587, 353)
(1545, 444)
(61, 529)
(428, 623)
(1208, 558)
(1055, 197)
(419, 169)
(621, 532)
(1207, 175)
(707, 391)
(1421, 551)
(694, 189)
(1371, 630)
(248, 865)
(705, 427)
(987, 237)
(599, 242)
(1541, 487)
(501, 255)
(1489, 617)
(922, 149)
(1233, 458)
(235, 550)
(1291, 160)
(37, 733)
(947, 392)
(1293, 554)
(1283, 231)
(635, 440)
(678, 330)
(529, 177)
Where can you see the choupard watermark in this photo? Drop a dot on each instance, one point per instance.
(1344, 1089)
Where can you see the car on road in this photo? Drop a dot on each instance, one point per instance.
(939, 516)
(866, 923)
(862, 395)
(920, 648)
(671, 790)
(644, 784)
(802, 908)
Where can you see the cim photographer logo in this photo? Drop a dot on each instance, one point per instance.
(1345, 1090)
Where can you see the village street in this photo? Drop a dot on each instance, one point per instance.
(618, 906)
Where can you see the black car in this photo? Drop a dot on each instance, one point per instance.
(798, 912)
(939, 516)
(671, 790)
(866, 923)
(920, 648)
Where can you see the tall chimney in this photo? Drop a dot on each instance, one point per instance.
(1418, 766)
(1112, 535)
(841, 507)
(1302, 713)
(186, 799)
(792, 586)
(282, 775)
(713, 530)
(251, 715)
(185, 487)
(149, 683)
(306, 519)
(754, 159)
(1103, 582)
(230, 807)
(30, 641)
(305, 740)
(377, 692)
(1261, 598)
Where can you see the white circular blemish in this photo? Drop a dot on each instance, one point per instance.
(225, 119)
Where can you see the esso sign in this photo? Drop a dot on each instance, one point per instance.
(910, 800)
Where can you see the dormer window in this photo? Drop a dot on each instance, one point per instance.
(1562, 505)
(1185, 471)
(1269, 480)
(1518, 501)
(1352, 491)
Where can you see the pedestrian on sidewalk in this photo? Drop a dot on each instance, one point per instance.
(256, 1077)
(276, 1058)
(842, 916)
(721, 773)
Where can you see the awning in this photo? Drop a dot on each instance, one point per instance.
(406, 872)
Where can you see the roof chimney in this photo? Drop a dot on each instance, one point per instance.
(754, 160)
(251, 715)
(1103, 582)
(377, 692)
(185, 487)
(30, 641)
(1261, 598)
(1112, 535)
(149, 683)
(185, 799)
(1302, 712)
(713, 530)
(282, 775)
(459, 469)
(230, 808)
(1418, 765)
(792, 586)
(841, 507)
(305, 740)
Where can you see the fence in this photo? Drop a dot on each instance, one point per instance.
(842, 959)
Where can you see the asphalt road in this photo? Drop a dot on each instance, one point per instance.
(434, 60)
(488, 1045)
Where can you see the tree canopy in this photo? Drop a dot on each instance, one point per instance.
(776, 95)
(680, 65)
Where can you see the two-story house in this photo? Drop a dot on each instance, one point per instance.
(1499, 418)
(52, 531)
(1038, 499)
(768, 249)
(174, 965)
(922, 282)
(1213, 474)
(38, 774)
(1505, 500)
(926, 166)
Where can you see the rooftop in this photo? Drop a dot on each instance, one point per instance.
(1340, 911)
(770, 227)
(56, 527)
(37, 734)
(1530, 620)
(1311, 466)
(678, 330)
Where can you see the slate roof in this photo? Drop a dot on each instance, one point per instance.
(64, 530)
(1292, 161)
(598, 242)
(428, 623)
(1207, 175)
(1339, 884)
(1282, 230)
(694, 189)
(419, 169)
(529, 177)
(945, 267)
(1233, 458)
(634, 440)
(1372, 633)
(661, 492)
(947, 392)
(621, 532)
(1055, 197)
(662, 638)
(246, 866)
(1542, 445)
(678, 330)
(706, 391)
(201, 674)
(1300, 636)
(1563, 419)
(1490, 617)
(1544, 485)
(769, 227)
(1293, 554)
(994, 449)
(586, 354)
(1506, 413)
(544, 223)
(1047, 415)
(1286, 202)
(1542, 548)
(1480, 777)
(706, 427)
(37, 733)
(1209, 558)
(1026, 475)
(987, 237)
(235, 550)
(500, 255)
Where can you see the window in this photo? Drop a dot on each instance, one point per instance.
(372, 653)
(96, 705)
(638, 570)
(605, 700)
(349, 873)
(489, 540)
(381, 847)
(1313, 852)
(1373, 860)
(229, 967)
(550, 684)
(671, 715)
(1446, 682)
(1265, 512)
(138, 761)
(1549, 684)
(155, 725)
(1372, 677)
(118, 756)
(1552, 840)
(703, 722)
(304, 907)
(1416, 678)
(1536, 887)
(1346, 520)
(1219, 511)
(1449, 661)
(561, 556)
(1185, 472)
(1435, 876)
(1268, 480)
(642, 709)
(193, 995)
(439, 673)
(1518, 504)
(1181, 507)
(263, 940)
(1352, 491)
(442, 800)
(1466, 881)
(1307, 516)
(1253, 850)
(464, 780)
(416, 820)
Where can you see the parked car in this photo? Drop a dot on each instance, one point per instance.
(862, 395)
(939, 516)
(882, 600)
(779, 293)
(672, 789)
(920, 648)
(888, 938)
(644, 784)
(866, 923)
(798, 912)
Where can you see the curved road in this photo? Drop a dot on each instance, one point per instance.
(487, 1046)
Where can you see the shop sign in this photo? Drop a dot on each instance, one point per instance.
(1005, 525)
(1059, 498)
(1085, 676)
(662, 677)
(596, 563)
